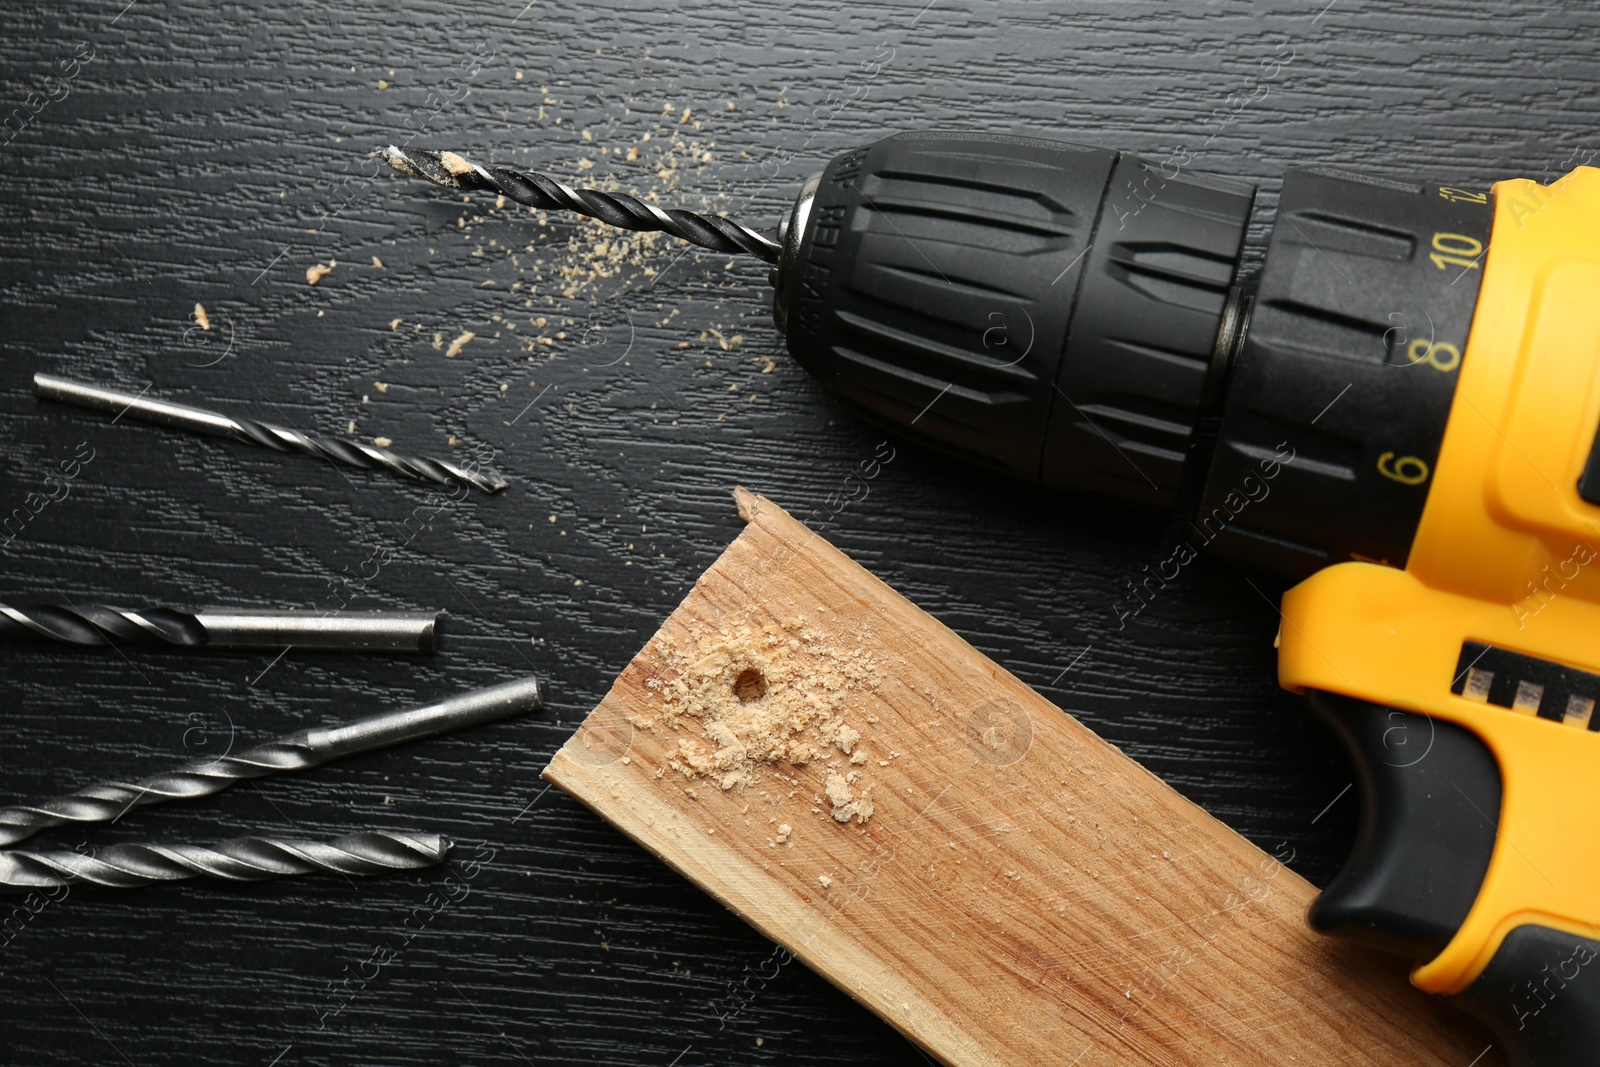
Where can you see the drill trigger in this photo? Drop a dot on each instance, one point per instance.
(1430, 804)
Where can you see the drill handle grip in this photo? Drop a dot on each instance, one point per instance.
(1431, 796)
(1540, 995)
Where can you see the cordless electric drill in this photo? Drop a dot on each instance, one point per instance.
(1403, 412)
(1401, 409)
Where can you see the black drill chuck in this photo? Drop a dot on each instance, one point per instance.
(1063, 303)
(1075, 317)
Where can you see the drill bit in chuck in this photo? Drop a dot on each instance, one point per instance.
(98, 624)
(618, 209)
(108, 801)
(244, 859)
(266, 434)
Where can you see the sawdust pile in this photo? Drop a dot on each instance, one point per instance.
(748, 702)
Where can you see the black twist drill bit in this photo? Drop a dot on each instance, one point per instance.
(618, 209)
(266, 434)
(244, 859)
(108, 801)
(99, 624)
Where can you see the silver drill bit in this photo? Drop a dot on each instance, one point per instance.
(108, 801)
(266, 434)
(617, 209)
(98, 624)
(244, 859)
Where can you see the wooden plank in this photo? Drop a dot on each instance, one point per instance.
(1008, 888)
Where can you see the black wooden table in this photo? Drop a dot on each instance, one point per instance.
(175, 152)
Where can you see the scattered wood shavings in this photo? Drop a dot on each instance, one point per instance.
(382, 387)
(458, 344)
(846, 805)
(454, 163)
(317, 273)
(394, 324)
(201, 318)
(382, 442)
(599, 262)
(377, 263)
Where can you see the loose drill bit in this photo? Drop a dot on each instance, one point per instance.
(618, 209)
(244, 859)
(108, 801)
(266, 434)
(97, 624)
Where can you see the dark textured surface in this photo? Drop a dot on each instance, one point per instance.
(211, 153)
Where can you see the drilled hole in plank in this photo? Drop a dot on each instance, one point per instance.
(750, 685)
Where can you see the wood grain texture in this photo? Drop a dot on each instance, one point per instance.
(1022, 893)
(211, 153)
